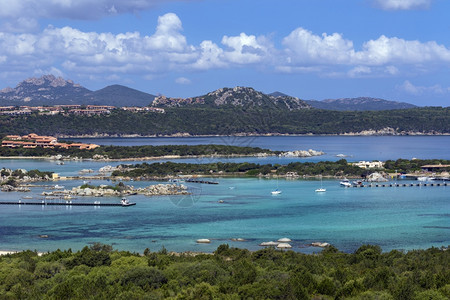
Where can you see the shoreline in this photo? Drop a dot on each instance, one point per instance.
(195, 253)
(132, 158)
(51, 158)
(188, 135)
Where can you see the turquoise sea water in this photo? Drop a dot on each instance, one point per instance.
(394, 218)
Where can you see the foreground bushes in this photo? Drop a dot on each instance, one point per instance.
(98, 272)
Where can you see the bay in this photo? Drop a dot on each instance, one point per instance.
(354, 147)
(394, 218)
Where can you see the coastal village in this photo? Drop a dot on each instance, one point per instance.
(75, 109)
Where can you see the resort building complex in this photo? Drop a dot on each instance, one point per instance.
(33, 140)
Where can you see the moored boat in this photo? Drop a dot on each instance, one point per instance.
(345, 183)
(126, 202)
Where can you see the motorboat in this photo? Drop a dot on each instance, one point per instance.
(58, 187)
(345, 183)
(126, 202)
(425, 178)
(357, 183)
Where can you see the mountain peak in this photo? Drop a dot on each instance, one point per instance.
(239, 96)
(52, 90)
(50, 80)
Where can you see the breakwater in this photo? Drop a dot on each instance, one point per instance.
(399, 185)
(63, 203)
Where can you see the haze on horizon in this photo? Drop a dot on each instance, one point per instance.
(391, 49)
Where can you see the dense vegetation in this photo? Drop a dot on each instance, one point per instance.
(407, 166)
(117, 152)
(325, 168)
(98, 272)
(231, 120)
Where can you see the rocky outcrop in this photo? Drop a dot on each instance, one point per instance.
(152, 190)
(302, 153)
(10, 188)
(238, 96)
(376, 177)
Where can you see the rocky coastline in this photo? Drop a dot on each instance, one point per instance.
(388, 131)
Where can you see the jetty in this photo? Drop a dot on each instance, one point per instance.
(398, 185)
(44, 203)
(201, 181)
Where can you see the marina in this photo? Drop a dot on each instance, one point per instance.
(371, 185)
(399, 214)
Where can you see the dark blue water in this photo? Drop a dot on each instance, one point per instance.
(355, 147)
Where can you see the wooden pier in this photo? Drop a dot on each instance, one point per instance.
(63, 203)
(399, 185)
(201, 181)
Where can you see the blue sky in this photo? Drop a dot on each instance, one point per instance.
(392, 49)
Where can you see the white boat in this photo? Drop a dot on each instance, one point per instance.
(126, 202)
(203, 241)
(321, 189)
(59, 187)
(345, 183)
(276, 192)
(425, 178)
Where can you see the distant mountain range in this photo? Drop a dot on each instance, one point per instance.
(51, 90)
(354, 104)
(360, 103)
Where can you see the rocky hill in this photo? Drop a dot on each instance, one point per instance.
(244, 97)
(360, 103)
(47, 89)
(119, 95)
(354, 104)
(51, 90)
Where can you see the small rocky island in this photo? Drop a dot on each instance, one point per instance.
(302, 153)
(122, 190)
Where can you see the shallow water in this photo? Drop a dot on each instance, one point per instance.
(392, 217)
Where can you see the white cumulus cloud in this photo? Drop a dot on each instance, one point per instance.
(105, 54)
(305, 49)
(302, 46)
(183, 80)
(403, 4)
(244, 49)
(416, 90)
